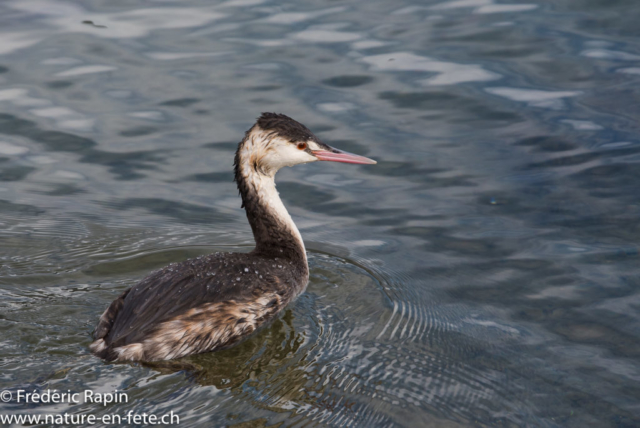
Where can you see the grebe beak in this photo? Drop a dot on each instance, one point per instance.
(335, 155)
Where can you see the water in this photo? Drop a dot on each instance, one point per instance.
(485, 273)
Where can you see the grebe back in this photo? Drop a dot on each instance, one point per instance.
(212, 302)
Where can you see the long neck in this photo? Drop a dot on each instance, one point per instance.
(275, 232)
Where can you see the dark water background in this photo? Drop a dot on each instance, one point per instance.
(485, 273)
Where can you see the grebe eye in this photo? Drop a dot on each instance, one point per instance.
(302, 146)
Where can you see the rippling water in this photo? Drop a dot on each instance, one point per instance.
(485, 273)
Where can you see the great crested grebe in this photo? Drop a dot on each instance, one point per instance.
(212, 302)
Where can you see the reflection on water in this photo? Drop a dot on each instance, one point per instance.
(485, 272)
(535, 98)
(448, 73)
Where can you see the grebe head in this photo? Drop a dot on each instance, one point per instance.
(276, 141)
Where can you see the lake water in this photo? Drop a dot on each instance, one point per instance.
(485, 273)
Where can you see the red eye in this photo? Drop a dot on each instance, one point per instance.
(302, 146)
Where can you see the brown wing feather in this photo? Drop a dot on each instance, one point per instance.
(208, 327)
(194, 306)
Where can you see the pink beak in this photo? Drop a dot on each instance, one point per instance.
(340, 156)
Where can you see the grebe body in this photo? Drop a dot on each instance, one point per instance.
(214, 301)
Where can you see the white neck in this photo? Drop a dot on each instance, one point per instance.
(271, 223)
